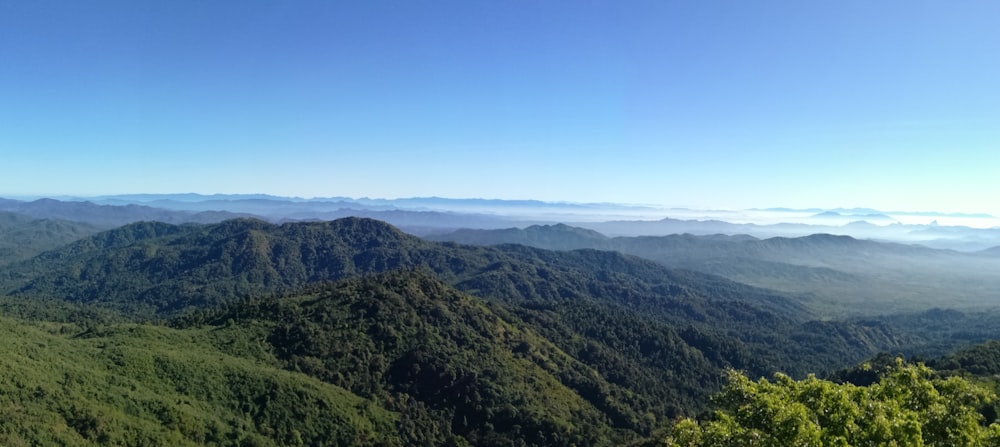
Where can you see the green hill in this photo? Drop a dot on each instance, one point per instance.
(22, 237)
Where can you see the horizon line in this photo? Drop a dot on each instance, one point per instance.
(500, 201)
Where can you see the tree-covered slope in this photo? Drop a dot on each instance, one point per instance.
(453, 363)
(666, 366)
(145, 385)
(403, 359)
(22, 237)
(980, 360)
(434, 365)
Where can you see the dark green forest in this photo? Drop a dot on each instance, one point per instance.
(350, 332)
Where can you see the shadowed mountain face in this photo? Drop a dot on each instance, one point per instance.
(834, 275)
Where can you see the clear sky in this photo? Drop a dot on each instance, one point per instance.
(699, 103)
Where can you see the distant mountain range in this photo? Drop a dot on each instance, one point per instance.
(110, 216)
(841, 275)
(870, 211)
(433, 215)
(937, 236)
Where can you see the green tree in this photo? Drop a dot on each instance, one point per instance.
(910, 406)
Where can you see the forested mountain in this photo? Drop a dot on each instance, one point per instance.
(453, 364)
(980, 360)
(22, 237)
(436, 343)
(158, 269)
(397, 359)
(838, 275)
(424, 364)
(167, 267)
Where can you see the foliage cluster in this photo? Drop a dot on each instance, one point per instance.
(909, 406)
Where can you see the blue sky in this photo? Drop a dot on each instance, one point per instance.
(705, 104)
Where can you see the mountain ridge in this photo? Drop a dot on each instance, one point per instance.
(169, 262)
(108, 216)
(433, 215)
(150, 269)
(845, 275)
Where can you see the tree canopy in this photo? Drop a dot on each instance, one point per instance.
(909, 406)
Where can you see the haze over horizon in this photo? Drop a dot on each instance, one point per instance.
(707, 105)
(840, 220)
